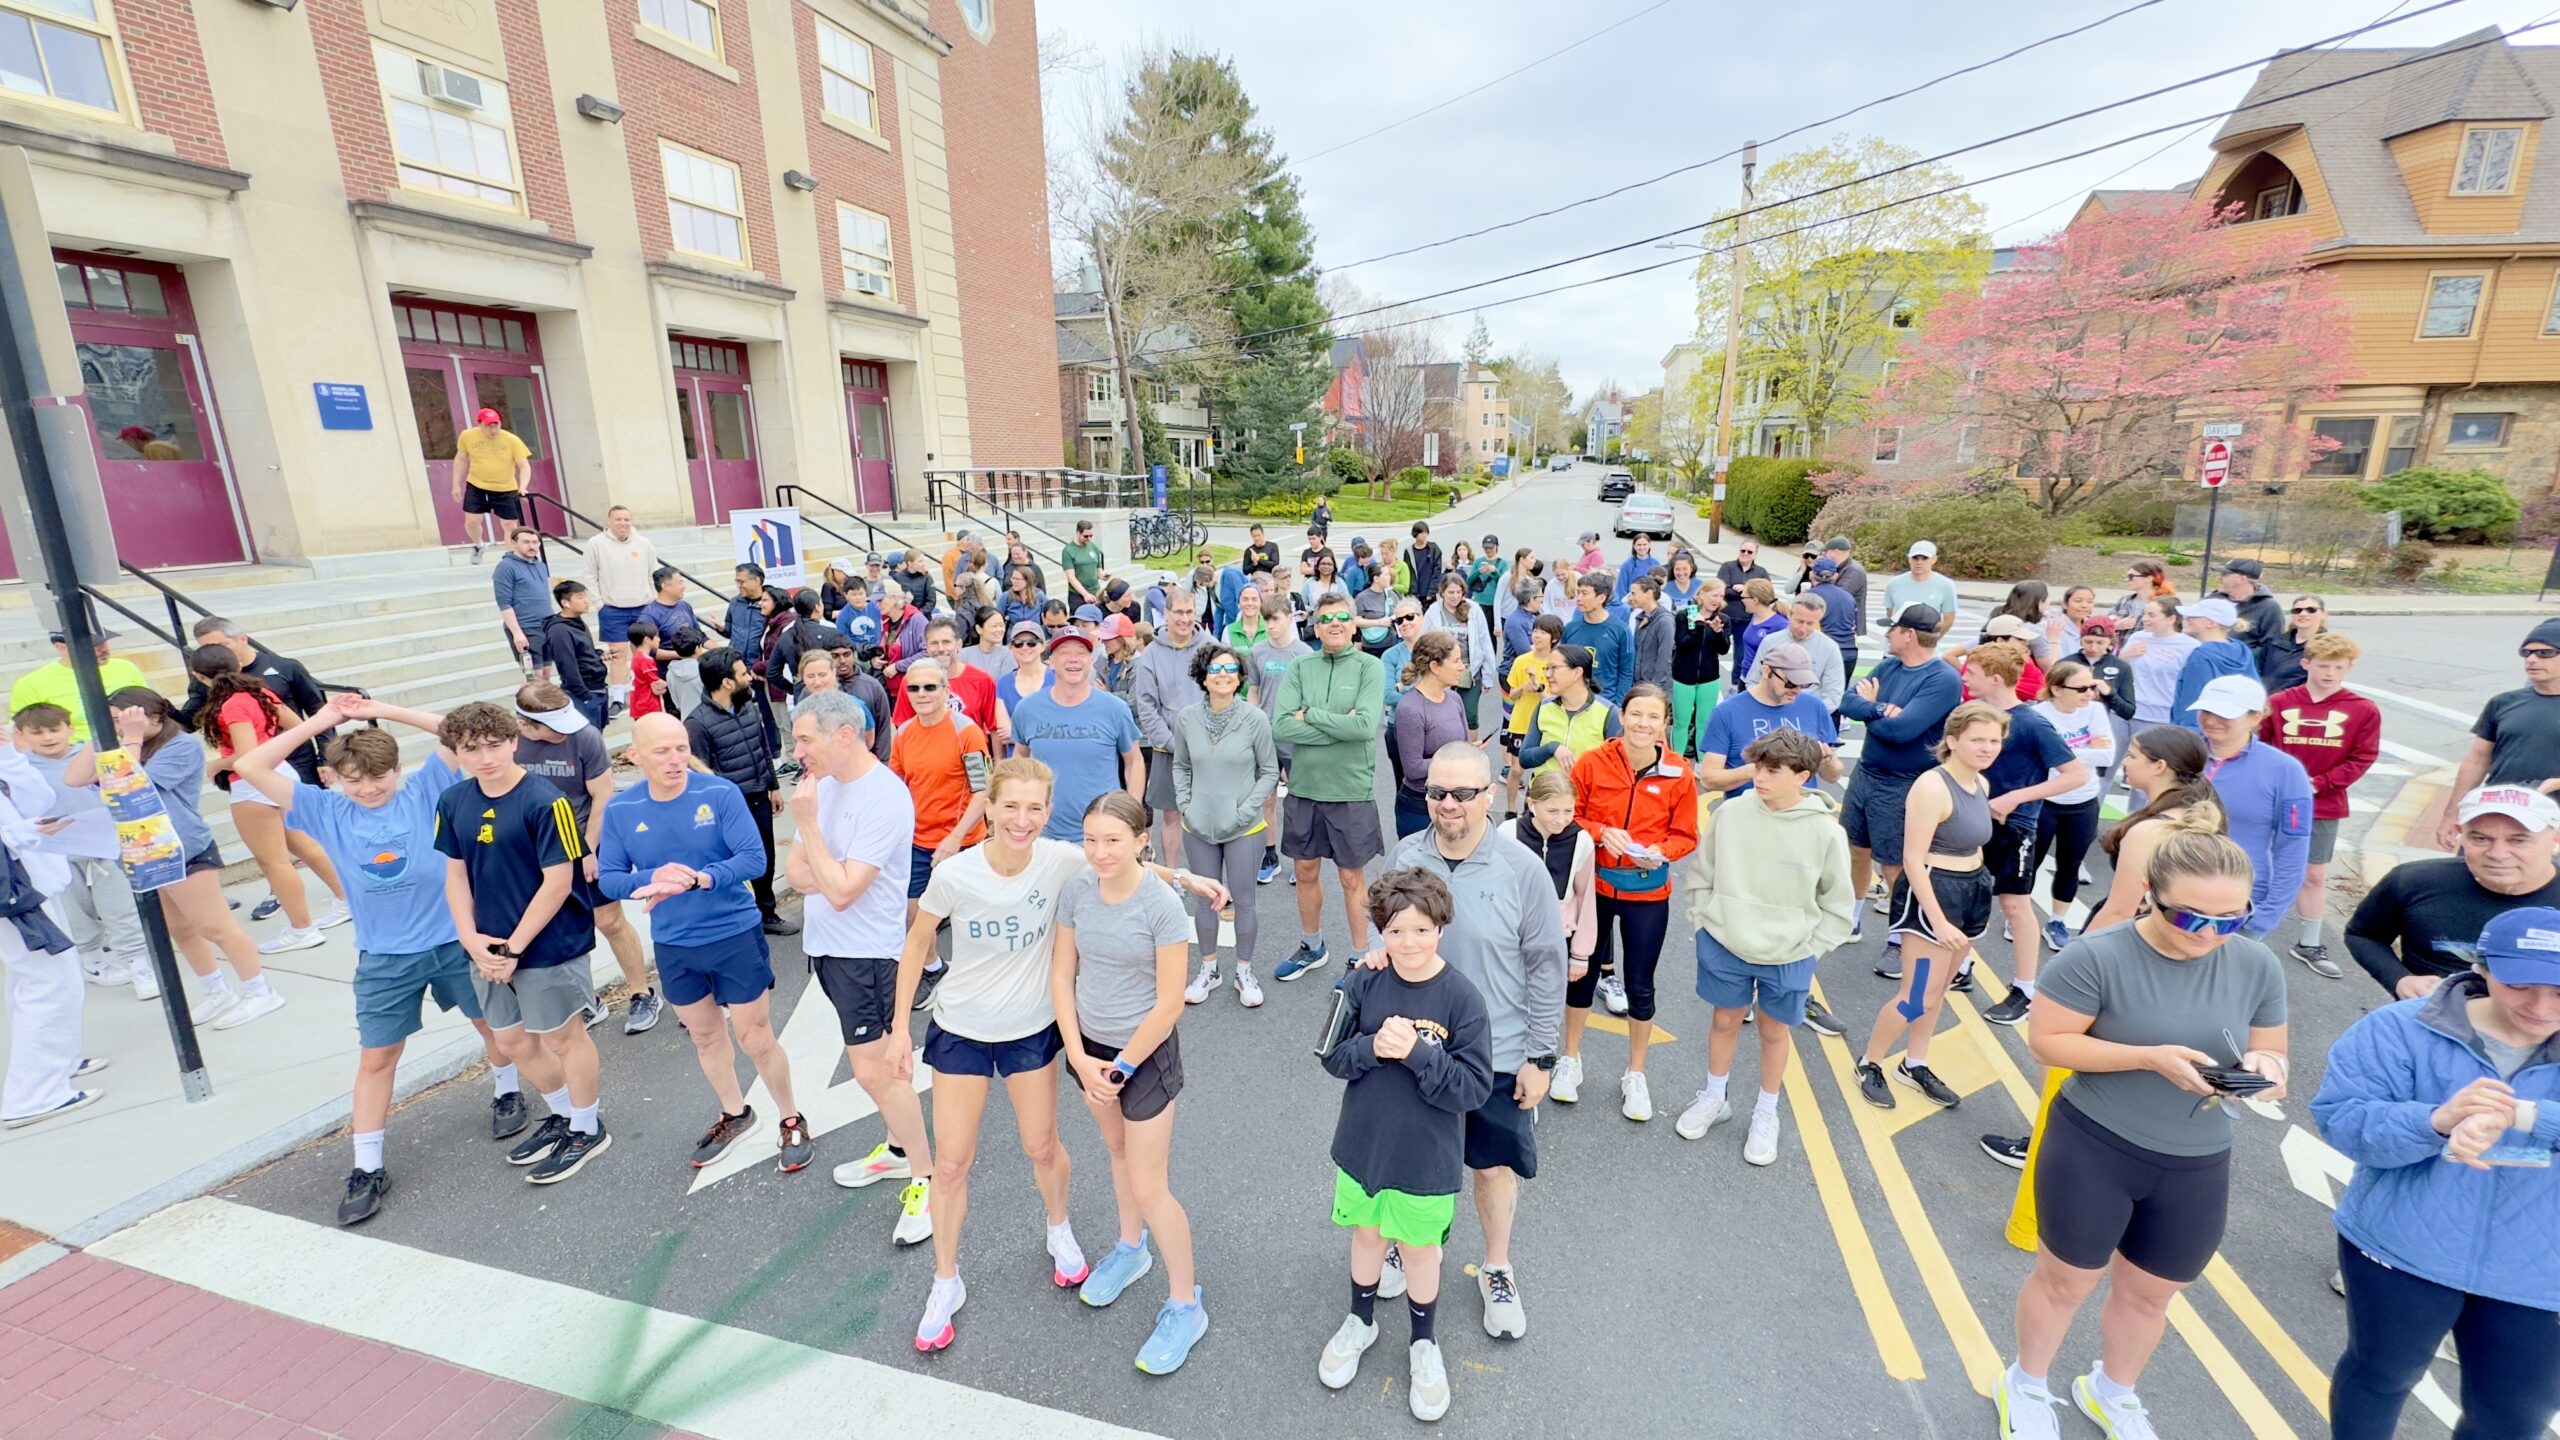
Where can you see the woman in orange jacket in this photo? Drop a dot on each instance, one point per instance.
(1639, 803)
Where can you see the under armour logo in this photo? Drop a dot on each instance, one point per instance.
(2330, 726)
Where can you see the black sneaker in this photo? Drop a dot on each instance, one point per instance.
(1926, 1081)
(2011, 1009)
(266, 907)
(2317, 957)
(926, 984)
(1963, 983)
(574, 1152)
(1820, 1020)
(365, 1189)
(724, 1132)
(539, 1145)
(781, 925)
(1871, 1085)
(2009, 1150)
(797, 1148)
(508, 1116)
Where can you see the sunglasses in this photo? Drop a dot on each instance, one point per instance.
(915, 689)
(1463, 794)
(1225, 669)
(1024, 641)
(2539, 652)
(1783, 682)
(2196, 922)
(2081, 689)
(1334, 617)
(2306, 610)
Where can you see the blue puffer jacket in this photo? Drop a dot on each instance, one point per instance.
(2483, 1234)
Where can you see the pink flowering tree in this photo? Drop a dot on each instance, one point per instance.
(2091, 364)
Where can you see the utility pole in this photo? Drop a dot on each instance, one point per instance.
(1723, 459)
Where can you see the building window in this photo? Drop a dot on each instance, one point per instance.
(2353, 445)
(2488, 160)
(1968, 440)
(1098, 387)
(862, 242)
(2274, 203)
(981, 15)
(1888, 444)
(451, 131)
(2453, 302)
(703, 208)
(2551, 313)
(2402, 451)
(1884, 373)
(845, 85)
(2477, 432)
(61, 50)
(695, 22)
(1902, 319)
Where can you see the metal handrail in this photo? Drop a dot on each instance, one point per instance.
(173, 597)
(535, 500)
(796, 495)
(940, 486)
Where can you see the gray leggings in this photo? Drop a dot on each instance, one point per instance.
(1233, 864)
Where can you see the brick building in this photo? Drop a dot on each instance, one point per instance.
(692, 250)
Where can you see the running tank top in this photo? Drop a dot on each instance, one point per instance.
(1969, 828)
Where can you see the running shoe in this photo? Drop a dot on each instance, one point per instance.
(1879, 897)
(77, 1100)
(2007, 933)
(2056, 934)
(1858, 926)
(2122, 1418)
(365, 1189)
(642, 1014)
(2011, 1009)
(579, 1147)
(247, 1008)
(2009, 1150)
(1119, 1270)
(89, 1065)
(1963, 983)
(1701, 1116)
(545, 1138)
(915, 1214)
(1202, 983)
(1248, 989)
(1270, 869)
(781, 925)
(1499, 1288)
(1613, 993)
(2317, 957)
(1067, 1265)
(1889, 963)
(1566, 1088)
(726, 1131)
(1635, 1098)
(1429, 1389)
(1179, 1326)
(1301, 960)
(1760, 1146)
(797, 1148)
(2025, 1413)
(332, 916)
(1926, 1081)
(1872, 1086)
(1391, 1277)
(146, 981)
(935, 1330)
(292, 939)
(1819, 1019)
(1341, 1362)
(881, 1164)
(508, 1115)
(103, 972)
(926, 984)
(595, 1012)
(266, 907)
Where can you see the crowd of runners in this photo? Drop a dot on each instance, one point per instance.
(1029, 808)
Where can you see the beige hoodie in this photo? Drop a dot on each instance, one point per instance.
(1773, 886)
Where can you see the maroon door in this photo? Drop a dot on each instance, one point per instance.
(160, 451)
(717, 415)
(866, 401)
(461, 360)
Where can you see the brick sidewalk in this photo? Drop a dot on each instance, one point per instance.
(92, 1350)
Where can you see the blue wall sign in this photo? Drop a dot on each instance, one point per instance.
(342, 407)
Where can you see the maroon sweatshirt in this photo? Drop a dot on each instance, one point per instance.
(2336, 739)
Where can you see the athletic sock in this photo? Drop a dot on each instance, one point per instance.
(1422, 1312)
(1364, 1302)
(558, 1100)
(1715, 1088)
(894, 1150)
(2018, 1379)
(213, 985)
(256, 987)
(584, 1118)
(1312, 940)
(2311, 930)
(1766, 1103)
(368, 1149)
(2107, 1387)
(937, 967)
(505, 1078)
(2026, 988)
(618, 693)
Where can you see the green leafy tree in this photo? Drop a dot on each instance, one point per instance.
(1259, 453)
(1534, 386)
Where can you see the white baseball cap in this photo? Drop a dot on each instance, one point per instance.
(2214, 608)
(1924, 549)
(2523, 804)
(2232, 697)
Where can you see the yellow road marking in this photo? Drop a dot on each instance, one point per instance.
(1857, 1249)
(2306, 1375)
(2256, 1411)
(1602, 1020)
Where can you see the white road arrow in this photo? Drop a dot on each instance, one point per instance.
(814, 1044)
(2312, 1165)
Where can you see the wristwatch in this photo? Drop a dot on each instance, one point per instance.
(702, 880)
(1546, 1062)
(1121, 1067)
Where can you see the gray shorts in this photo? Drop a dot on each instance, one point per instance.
(2324, 841)
(1160, 794)
(540, 1000)
(1345, 832)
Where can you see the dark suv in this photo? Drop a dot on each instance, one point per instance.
(1616, 485)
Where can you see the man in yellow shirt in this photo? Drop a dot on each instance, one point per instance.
(53, 683)
(491, 468)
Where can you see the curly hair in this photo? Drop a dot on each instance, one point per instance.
(223, 682)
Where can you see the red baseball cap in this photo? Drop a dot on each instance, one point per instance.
(487, 417)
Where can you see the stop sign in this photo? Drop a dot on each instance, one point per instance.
(2216, 470)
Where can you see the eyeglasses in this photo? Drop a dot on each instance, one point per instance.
(1223, 668)
(927, 689)
(2306, 609)
(1334, 617)
(2081, 689)
(2539, 652)
(2194, 922)
(1463, 794)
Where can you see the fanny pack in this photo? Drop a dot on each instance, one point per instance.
(1636, 879)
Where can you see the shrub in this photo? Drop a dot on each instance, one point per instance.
(1347, 467)
(1980, 537)
(2443, 504)
(1410, 476)
(2136, 509)
(1774, 500)
(1283, 506)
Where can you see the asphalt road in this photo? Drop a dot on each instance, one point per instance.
(1859, 1286)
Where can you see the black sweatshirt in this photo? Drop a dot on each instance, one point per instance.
(570, 651)
(2422, 907)
(2119, 677)
(1403, 1124)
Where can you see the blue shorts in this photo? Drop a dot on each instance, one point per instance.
(613, 622)
(1729, 982)
(390, 991)
(919, 870)
(1872, 813)
(737, 970)
(951, 1054)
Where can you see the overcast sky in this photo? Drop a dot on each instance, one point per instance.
(1678, 84)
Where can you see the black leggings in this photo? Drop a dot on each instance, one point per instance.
(2510, 1355)
(2067, 832)
(1643, 923)
(760, 805)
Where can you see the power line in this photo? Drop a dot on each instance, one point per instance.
(1489, 84)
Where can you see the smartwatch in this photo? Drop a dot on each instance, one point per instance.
(2528, 1115)
(1121, 1067)
(1546, 1062)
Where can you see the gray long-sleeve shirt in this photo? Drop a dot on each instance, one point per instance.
(1165, 688)
(1507, 938)
(1653, 647)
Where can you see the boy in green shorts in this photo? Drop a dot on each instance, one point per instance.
(1418, 1054)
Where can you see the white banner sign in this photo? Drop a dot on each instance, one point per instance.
(772, 539)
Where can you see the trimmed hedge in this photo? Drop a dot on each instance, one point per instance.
(1772, 499)
(2444, 504)
(1997, 536)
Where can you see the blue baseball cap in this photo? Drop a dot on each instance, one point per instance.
(1089, 614)
(2522, 947)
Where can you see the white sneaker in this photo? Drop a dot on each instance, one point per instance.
(336, 915)
(1248, 989)
(1201, 984)
(1391, 1278)
(1341, 1362)
(935, 1330)
(2024, 1414)
(1499, 1288)
(1701, 1116)
(2123, 1419)
(101, 971)
(1760, 1147)
(1635, 1098)
(1613, 994)
(250, 1007)
(292, 939)
(915, 1214)
(209, 1008)
(873, 1168)
(146, 983)
(1430, 1380)
(1566, 1088)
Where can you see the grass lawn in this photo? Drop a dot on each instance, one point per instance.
(1361, 510)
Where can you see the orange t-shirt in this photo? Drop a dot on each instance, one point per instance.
(927, 757)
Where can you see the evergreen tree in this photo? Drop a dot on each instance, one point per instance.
(1259, 452)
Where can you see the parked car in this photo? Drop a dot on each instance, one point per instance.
(1616, 485)
(1561, 462)
(1645, 514)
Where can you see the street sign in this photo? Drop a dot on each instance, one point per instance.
(2225, 430)
(2216, 470)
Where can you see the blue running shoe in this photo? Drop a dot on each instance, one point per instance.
(2056, 934)
(1117, 1272)
(1301, 960)
(1269, 870)
(1178, 1328)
